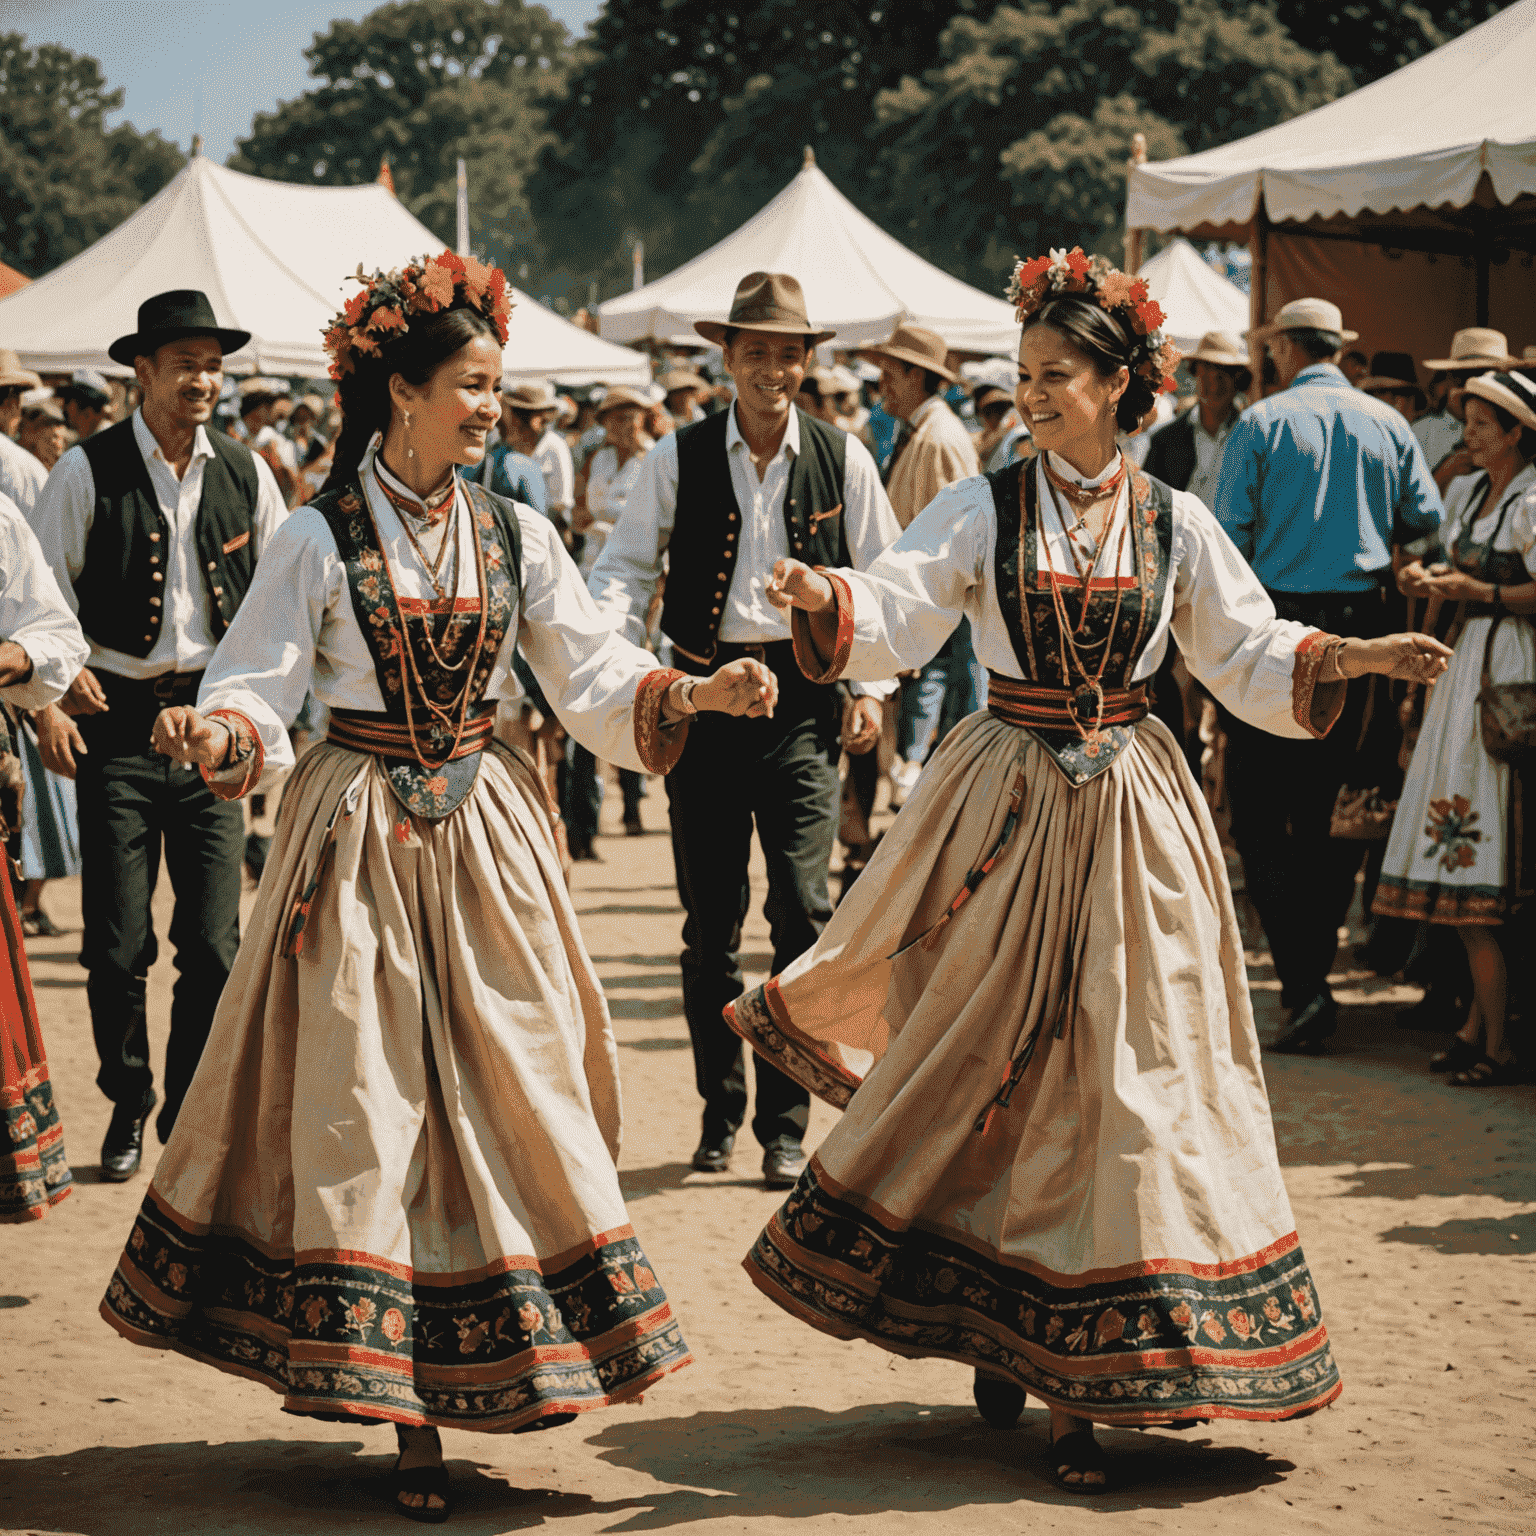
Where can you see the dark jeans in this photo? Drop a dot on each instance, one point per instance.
(132, 801)
(583, 795)
(780, 774)
(1281, 793)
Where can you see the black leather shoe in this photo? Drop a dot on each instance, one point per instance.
(123, 1148)
(714, 1153)
(999, 1402)
(782, 1166)
(1308, 1028)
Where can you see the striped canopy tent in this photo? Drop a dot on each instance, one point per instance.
(273, 258)
(1411, 202)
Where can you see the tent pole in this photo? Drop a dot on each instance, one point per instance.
(1483, 258)
(1258, 292)
(1133, 237)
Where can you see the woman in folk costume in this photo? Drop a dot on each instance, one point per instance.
(1455, 853)
(41, 652)
(1057, 1163)
(392, 1195)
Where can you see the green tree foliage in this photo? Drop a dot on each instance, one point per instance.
(424, 83)
(1016, 138)
(65, 178)
(1371, 38)
(685, 116)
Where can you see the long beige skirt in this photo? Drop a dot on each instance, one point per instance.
(391, 1192)
(1057, 1162)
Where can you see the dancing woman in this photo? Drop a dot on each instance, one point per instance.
(392, 1193)
(1057, 1163)
(1455, 855)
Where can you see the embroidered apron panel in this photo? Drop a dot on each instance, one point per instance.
(437, 787)
(1029, 611)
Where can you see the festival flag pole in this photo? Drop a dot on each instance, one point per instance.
(462, 244)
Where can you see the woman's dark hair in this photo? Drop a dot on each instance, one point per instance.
(364, 392)
(1508, 421)
(1104, 341)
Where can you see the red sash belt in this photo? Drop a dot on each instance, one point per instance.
(360, 731)
(1039, 708)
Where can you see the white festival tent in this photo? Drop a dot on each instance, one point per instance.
(1195, 297)
(273, 259)
(1411, 201)
(858, 281)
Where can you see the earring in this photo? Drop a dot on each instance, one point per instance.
(410, 452)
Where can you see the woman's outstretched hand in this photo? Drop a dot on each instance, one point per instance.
(795, 585)
(743, 687)
(184, 736)
(1409, 658)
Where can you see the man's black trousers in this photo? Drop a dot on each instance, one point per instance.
(780, 775)
(1281, 793)
(131, 803)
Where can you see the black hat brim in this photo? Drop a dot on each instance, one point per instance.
(126, 348)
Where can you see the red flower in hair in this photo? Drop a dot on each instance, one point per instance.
(1030, 272)
(386, 320)
(1148, 316)
(352, 312)
(1077, 263)
(476, 278)
(437, 285)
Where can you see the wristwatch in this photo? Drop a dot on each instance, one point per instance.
(685, 696)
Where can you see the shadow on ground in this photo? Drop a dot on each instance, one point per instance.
(1500, 1235)
(791, 1462)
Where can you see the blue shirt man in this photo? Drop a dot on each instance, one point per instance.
(513, 475)
(1319, 482)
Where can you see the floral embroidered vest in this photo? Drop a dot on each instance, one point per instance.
(1029, 610)
(427, 777)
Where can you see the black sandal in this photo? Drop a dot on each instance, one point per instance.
(1079, 1452)
(423, 1480)
(1456, 1057)
(1485, 1072)
(999, 1402)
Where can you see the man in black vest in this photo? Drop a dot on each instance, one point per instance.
(153, 528)
(724, 498)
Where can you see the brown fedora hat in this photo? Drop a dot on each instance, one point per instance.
(914, 344)
(13, 375)
(766, 301)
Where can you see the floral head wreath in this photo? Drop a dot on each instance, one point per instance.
(1128, 299)
(389, 300)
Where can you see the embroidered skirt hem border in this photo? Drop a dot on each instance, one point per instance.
(1249, 1344)
(1427, 901)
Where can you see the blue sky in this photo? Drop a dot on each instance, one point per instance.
(203, 66)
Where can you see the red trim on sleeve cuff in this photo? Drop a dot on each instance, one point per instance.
(806, 655)
(1311, 699)
(245, 730)
(659, 748)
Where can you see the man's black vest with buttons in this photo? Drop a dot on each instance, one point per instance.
(706, 529)
(121, 586)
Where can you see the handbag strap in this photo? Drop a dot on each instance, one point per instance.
(1487, 677)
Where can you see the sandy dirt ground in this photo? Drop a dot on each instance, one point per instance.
(1416, 1204)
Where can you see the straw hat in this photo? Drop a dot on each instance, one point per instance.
(766, 301)
(1221, 348)
(1477, 347)
(987, 393)
(42, 402)
(13, 375)
(843, 381)
(914, 344)
(1391, 374)
(86, 387)
(1307, 315)
(681, 378)
(537, 396)
(1515, 393)
(620, 396)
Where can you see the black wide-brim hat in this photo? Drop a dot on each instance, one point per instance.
(169, 317)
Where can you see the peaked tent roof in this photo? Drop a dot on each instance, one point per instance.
(1194, 295)
(1421, 137)
(273, 259)
(858, 281)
